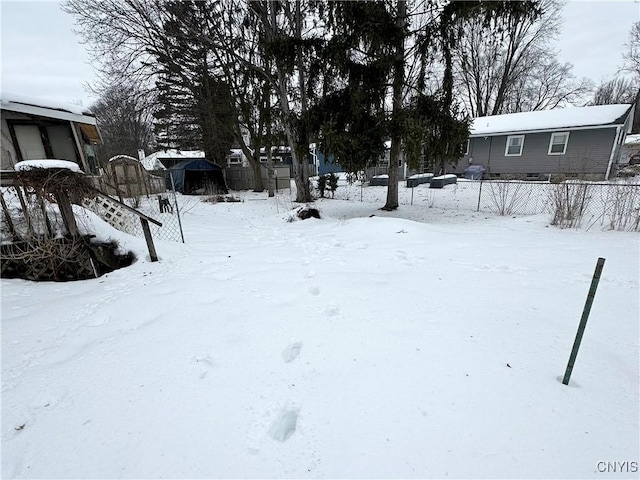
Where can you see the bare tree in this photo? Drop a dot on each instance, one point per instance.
(509, 65)
(632, 55)
(548, 85)
(632, 66)
(618, 90)
(170, 48)
(124, 115)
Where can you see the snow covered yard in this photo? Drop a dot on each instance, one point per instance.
(421, 343)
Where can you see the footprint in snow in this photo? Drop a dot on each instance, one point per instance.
(331, 310)
(206, 362)
(291, 352)
(284, 426)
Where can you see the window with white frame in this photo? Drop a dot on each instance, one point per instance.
(558, 143)
(514, 146)
(466, 152)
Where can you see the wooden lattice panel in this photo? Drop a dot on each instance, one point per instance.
(110, 212)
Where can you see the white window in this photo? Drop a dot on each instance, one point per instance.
(466, 152)
(558, 143)
(234, 160)
(514, 146)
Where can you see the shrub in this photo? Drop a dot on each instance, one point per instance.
(332, 180)
(322, 184)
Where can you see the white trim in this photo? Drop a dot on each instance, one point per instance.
(506, 148)
(545, 130)
(79, 144)
(630, 119)
(613, 151)
(551, 144)
(468, 142)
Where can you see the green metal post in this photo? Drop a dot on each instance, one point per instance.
(583, 320)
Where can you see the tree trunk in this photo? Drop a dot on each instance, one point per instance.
(270, 171)
(398, 79)
(301, 174)
(254, 161)
(302, 183)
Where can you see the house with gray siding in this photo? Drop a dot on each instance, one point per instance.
(579, 141)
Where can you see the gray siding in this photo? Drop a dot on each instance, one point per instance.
(588, 152)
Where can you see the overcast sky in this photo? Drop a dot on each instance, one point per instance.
(41, 56)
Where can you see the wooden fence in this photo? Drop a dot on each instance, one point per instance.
(128, 179)
(241, 178)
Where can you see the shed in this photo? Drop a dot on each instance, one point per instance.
(126, 177)
(196, 176)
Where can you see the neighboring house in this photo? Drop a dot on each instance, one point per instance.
(34, 129)
(573, 141)
(325, 163)
(237, 158)
(165, 159)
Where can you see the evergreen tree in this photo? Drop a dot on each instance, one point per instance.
(196, 105)
(350, 118)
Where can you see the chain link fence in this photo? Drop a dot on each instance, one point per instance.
(614, 206)
(27, 213)
(163, 207)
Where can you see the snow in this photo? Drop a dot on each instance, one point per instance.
(11, 97)
(381, 176)
(632, 140)
(152, 162)
(46, 163)
(444, 177)
(420, 175)
(548, 119)
(420, 343)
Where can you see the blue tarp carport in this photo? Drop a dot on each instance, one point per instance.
(197, 175)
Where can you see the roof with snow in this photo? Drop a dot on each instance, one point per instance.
(46, 108)
(598, 116)
(152, 162)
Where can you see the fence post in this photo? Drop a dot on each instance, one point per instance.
(583, 320)
(149, 239)
(175, 201)
(64, 204)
